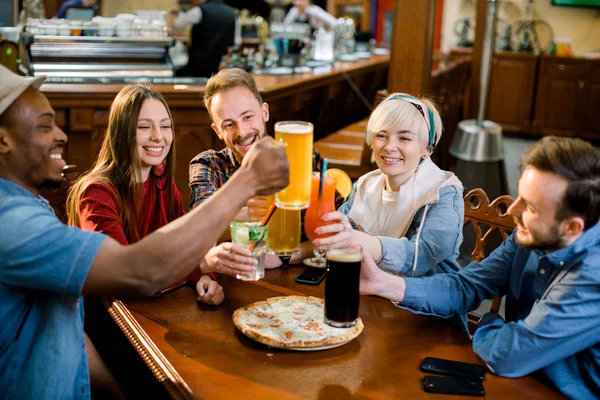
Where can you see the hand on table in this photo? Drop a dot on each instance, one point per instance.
(228, 258)
(209, 291)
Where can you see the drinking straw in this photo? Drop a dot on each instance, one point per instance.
(322, 182)
(264, 222)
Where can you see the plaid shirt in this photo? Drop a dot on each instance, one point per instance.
(210, 170)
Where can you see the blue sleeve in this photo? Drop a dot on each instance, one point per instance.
(39, 252)
(445, 295)
(440, 236)
(565, 321)
(347, 206)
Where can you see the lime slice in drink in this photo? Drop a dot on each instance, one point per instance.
(242, 236)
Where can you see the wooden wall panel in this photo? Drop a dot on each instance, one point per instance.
(412, 46)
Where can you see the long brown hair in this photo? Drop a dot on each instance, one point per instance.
(118, 163)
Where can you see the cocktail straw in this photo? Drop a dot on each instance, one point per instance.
(322, 182)
(264, 222)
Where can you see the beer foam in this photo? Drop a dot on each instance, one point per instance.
(294, 129)
(343, 255)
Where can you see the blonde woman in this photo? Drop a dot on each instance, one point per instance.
(408, 214)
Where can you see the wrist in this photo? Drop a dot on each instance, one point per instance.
(246, 183)
(392, 287)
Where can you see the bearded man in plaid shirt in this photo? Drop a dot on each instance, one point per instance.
(239, 118)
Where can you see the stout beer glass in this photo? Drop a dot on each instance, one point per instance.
(342, 285)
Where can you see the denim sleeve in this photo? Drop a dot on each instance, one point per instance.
(445, 295)
(38, 252)
(347, 205)
(565, 321)
(440, 235)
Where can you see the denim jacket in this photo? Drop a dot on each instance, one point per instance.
(439, 242)
(552, 321)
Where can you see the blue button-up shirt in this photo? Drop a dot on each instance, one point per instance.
(552, 311)
(43, 267)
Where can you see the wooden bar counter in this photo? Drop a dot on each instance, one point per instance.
(324, 97)
(195, 351)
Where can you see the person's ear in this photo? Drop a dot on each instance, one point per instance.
(5, 141)
(426, 154)
(572, 226)
(265, 111)
(214, 128)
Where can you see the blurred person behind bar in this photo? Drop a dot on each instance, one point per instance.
(62, 11)
(214, 25)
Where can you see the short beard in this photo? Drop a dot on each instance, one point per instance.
(551, 242)
(52, 184)
(239, 156)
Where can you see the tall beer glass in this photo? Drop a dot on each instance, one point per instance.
(284, 232)
(342, 285)
(298, 139)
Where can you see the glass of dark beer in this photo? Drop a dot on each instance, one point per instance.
(342, 285)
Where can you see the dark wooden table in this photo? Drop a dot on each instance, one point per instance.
(191, 347)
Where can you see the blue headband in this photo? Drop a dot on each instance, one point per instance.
(419, 106)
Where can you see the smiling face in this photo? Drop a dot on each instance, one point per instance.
(32, 146)
(154, 135)
(535, 210)
(239, 119)
(398, 151)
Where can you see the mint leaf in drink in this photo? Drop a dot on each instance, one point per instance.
(256, 235)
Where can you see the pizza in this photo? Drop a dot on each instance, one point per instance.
(291, 322)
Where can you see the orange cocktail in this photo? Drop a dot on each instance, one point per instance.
(317, 208)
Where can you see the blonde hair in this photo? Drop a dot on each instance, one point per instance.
(393, 112)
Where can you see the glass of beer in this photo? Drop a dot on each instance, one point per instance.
(342, 285)
(284, 232)
(298, 139)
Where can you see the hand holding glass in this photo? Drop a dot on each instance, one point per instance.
(316, 210)
(245, 233)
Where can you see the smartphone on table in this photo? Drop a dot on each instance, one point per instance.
(453, 368)
(311, 276)
(453, 385)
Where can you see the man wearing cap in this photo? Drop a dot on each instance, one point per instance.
(46, 266)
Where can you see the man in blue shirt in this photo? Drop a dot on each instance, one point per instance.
(46, 266)
(548, 269)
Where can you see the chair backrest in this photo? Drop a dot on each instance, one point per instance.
(482, 214)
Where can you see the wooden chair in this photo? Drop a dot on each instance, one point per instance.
(486, 218)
